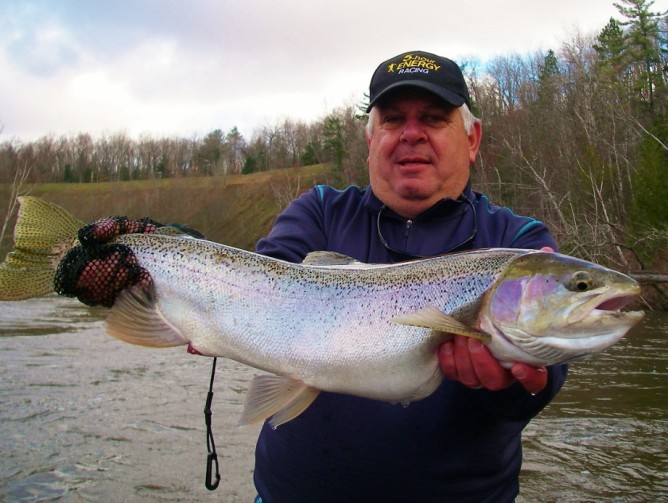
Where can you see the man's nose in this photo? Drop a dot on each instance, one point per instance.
(413, 131)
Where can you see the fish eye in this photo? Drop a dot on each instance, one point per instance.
(581, 281)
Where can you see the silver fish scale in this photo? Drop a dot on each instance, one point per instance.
(330, 327)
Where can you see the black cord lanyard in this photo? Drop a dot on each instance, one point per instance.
(212, 457)
(409, 256)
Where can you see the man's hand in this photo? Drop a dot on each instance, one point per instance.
(471, 363)
(97, 271)
(107, 228)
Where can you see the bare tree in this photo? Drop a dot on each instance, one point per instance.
(20, 177)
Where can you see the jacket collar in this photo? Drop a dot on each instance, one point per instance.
(442, 209)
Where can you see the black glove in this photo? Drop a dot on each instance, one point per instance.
(97, 271)
(107, 228)
(96, 274)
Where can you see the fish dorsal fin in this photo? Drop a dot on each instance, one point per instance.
(280, 398)
(135, 318)
(168, 230)
(432, 317)
(180, 230)
(328, 258)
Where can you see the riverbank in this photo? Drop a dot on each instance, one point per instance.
(235, 210)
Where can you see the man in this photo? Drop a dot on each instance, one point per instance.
(463, 442)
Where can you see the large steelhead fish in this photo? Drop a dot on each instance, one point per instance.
(332, 323)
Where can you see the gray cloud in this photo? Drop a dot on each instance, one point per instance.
(175, 67)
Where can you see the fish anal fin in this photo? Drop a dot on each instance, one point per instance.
(434, 318)
(136, 319)
(280, 398)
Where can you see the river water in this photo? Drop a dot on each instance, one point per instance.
(84, 417)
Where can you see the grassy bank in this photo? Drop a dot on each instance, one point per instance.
(235, 210)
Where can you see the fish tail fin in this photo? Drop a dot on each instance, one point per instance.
(44, 232)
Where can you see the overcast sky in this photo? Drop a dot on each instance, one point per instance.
(183, 68)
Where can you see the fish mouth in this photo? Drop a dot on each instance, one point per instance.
(616, 303)
(604, 303)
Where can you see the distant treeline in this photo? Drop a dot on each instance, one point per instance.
(576, 136)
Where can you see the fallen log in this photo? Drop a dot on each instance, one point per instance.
(649, 277)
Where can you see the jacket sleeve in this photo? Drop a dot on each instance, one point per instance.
(533, 235)
(515, 403)
(499, 226)
(298, 230)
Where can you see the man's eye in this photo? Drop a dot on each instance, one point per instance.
(435, 119)
(391, 120)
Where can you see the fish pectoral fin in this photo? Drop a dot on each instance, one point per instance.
(280, 398)
(136, 319)
(434, 318)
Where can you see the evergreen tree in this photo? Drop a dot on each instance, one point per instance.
(643, 46)
(210, 152)
(333, 140)
(548, 79)
(610, 47)
(235, 144)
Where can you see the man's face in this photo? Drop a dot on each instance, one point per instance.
(419, 151)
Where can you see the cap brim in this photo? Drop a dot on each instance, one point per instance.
(453, 99)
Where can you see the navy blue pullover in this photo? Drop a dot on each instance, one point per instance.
(457, 445)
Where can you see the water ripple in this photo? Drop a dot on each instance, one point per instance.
(88, 418)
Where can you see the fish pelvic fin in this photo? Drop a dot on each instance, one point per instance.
(136, 319)
(276, 397)
(434, 318)
(43, 234)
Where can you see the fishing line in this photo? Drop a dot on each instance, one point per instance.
(212, 457)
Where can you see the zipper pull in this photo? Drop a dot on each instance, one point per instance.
(409, 223)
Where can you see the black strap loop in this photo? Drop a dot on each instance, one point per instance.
(212, 457)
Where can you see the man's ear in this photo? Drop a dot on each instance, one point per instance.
(475, 137)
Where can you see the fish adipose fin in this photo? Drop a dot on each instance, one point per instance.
(434, 318)
(280, 398)
(136, 319)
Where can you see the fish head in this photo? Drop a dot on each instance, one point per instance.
(548, 308)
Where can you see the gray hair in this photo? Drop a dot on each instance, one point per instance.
(468, 118)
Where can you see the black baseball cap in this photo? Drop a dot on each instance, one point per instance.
(433, 73)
